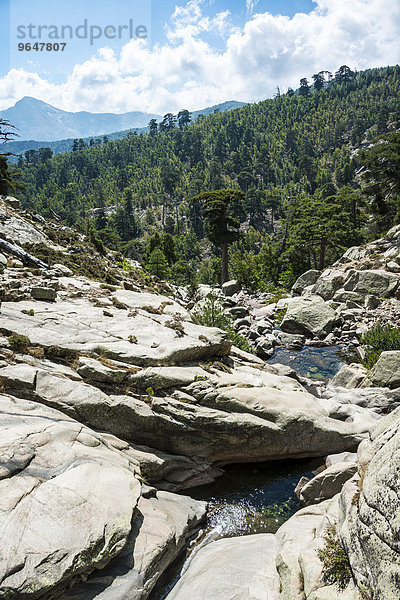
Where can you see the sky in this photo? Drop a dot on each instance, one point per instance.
(161, 56)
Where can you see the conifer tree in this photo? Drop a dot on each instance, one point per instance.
(222, 229)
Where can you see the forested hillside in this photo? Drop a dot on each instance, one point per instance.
(292, 156)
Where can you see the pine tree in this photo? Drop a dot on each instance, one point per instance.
(222, 229)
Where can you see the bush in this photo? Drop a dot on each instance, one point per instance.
(335, 562)
(378, 339)
(19, 343)
(211, 314)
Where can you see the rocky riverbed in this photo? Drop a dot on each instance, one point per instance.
(113, 399)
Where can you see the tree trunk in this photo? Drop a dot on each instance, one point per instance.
(224, 260)
(322, 251)
(25, 257)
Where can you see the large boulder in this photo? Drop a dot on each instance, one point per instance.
(379, 283)
(306, 279)
(309, 316)
(240, 568)
(229, 288)
(329, 282)
(386, 371)
(370, 508)
(60, 517)
(163, 524)
(327, 484)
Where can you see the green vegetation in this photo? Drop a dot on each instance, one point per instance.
(288, 162)
(19, 343)
(211, 314)
(378, 339)
(336, 566)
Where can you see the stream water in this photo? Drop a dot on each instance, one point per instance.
(259, 497)
(314, 363)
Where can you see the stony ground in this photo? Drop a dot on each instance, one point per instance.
(113, 398)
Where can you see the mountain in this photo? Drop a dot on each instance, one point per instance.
(37, 120)
(56, 129)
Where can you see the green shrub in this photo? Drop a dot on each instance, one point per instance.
(19, 343)
(336, 566)
(378, 339)
(211, 314)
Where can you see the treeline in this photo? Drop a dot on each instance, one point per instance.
(292, 156)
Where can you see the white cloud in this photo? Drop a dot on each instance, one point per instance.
(187, 71)
(251, 5)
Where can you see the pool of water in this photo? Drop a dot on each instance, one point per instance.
(314, 363)
(253, 498)
(246, 499)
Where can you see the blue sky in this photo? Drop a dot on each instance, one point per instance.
(197, 53)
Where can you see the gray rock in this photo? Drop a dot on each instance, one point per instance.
(350, 376)
(59, 518)
(229, 288)
(238, 312)
(393, 266)
(62, 270)
(231, 569)
(246, 322)
(333, 459)
(306, 279)
(379, 283)
(342, 296)
(370, 527)
(309, 316)
(290, 340)
(77, 325)
(248, 415)
(327, 484)
(371, 302)
(328, 283)
(43, 293)
(165, 521)
(386, 371)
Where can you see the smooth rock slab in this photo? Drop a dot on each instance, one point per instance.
(66, 502)
(79, 326)
(240, 568)
(246, 416)
(163, 524)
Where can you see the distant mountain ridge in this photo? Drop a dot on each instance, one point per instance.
(33, 118)
(37, 120)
